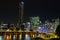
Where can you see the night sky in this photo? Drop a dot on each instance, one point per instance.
(43, 8)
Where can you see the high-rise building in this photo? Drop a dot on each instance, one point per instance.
(28, 25)
(35, 21)
(57, 22)
(47, 22)
(21, 8)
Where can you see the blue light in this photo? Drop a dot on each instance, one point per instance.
(42, 29)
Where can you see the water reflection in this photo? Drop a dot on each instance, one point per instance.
(8, 37)
(1, 37)
(14, 37)
(20, 37)
(27, 37)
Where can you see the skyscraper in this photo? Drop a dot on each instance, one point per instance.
(21, 8)
(35, 21)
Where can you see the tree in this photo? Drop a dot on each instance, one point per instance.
(58, 30)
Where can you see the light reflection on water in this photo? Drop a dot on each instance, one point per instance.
(14, 37)
(27, 37)
(1, 37)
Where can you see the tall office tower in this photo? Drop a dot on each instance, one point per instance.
(21, 8)
(40, 23)
(54, 24)
(57, 22)
(35, 22)
(51, 25)
(47, 22)
(28, 25)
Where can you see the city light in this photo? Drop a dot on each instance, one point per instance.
(34, 28)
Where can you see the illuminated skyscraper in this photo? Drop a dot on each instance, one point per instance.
(57, 22)
(47, 22)
(21, 8)
(35, 21)
(28, 25)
